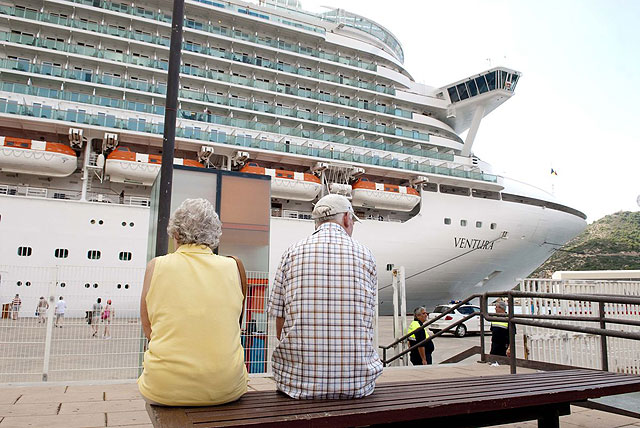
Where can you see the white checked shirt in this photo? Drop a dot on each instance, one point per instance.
(325, 289)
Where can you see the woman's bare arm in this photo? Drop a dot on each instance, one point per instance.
(144, 315)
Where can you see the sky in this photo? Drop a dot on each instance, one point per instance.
(576, 108)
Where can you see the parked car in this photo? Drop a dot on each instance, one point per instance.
(470, 326)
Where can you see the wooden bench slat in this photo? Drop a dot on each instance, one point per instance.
(457, 394)
(270, 398)
(381, 414)
(505, 381)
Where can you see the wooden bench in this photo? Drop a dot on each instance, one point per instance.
(460, 402)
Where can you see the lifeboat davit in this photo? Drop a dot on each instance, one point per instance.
(298, 186)
(36, 157)
(124, 166)
(384, 196)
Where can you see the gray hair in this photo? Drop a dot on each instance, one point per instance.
(502, 305)
(418, 310)
(196, 222)
(336, 218)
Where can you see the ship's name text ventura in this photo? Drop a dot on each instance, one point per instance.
(475, 244)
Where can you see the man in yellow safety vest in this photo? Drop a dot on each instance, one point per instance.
(421, 355)
(500, 333)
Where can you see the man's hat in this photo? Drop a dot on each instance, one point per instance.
(331, 205)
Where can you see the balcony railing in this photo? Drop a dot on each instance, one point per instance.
(209, 98)
(307, 149)
(164, 41)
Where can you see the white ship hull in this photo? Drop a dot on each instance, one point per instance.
(457, 261)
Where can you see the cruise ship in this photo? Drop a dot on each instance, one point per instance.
(321, 102)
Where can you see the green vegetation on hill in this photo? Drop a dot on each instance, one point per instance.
(611, 243)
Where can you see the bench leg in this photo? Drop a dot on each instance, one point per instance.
(549, 419)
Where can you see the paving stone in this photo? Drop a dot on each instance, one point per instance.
(28, 409)
(132, 394)
(47, 397)
(56, 421)
(115, 419)
(101, 407)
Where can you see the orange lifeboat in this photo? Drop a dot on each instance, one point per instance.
(384, 196)
(36, 157)
(299, 186)
(124, 166)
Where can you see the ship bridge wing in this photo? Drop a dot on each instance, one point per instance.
(487, 90)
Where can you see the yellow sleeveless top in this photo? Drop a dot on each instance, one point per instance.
(194, 356)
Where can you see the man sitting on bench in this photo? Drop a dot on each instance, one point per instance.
(324, 300)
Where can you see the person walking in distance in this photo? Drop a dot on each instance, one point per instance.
(43, 305)
(15, 307)
(96, 311)
(324, 300)
(61, 308)
(107, 316)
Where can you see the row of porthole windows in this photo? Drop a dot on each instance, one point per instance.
(463, 223)
(64, 284)
(63, 253)
(101, 222)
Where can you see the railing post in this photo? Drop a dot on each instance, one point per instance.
(512, 336)
(603, 338)
(49, 332)
(483, 310)
(384, 357)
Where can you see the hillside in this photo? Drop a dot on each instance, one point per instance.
(613, 242)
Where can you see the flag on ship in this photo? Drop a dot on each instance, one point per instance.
(553, 172)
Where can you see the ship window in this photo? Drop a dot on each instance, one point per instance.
(19, 283)
(124, 256)
(27, 284)
(87, 285)
(493, 225)
(63, 284)
(430, 187)
(454, 190)
(447, 220)
(463, 222)
(485, 194)
(478, 224)
(61, 253)
(93, 254)
(24, 251)
(95, 285)
(462, 90)
(482, 84)
(472, 88)
(126, 286)
(491, 80)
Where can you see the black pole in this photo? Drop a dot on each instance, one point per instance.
(169, 138)
(512, 335)
(603, 339)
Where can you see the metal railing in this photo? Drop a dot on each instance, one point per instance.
(543, 321)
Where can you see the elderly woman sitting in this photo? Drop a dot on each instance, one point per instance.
(190, 306)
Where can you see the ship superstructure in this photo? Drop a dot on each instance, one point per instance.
(321, 102)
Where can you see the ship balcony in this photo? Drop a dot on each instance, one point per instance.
(143, 107)
(189, 23)
(197, 49)
(162, 64)
(86, 76)
(349, 155)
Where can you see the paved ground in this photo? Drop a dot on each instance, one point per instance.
(120, 405)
